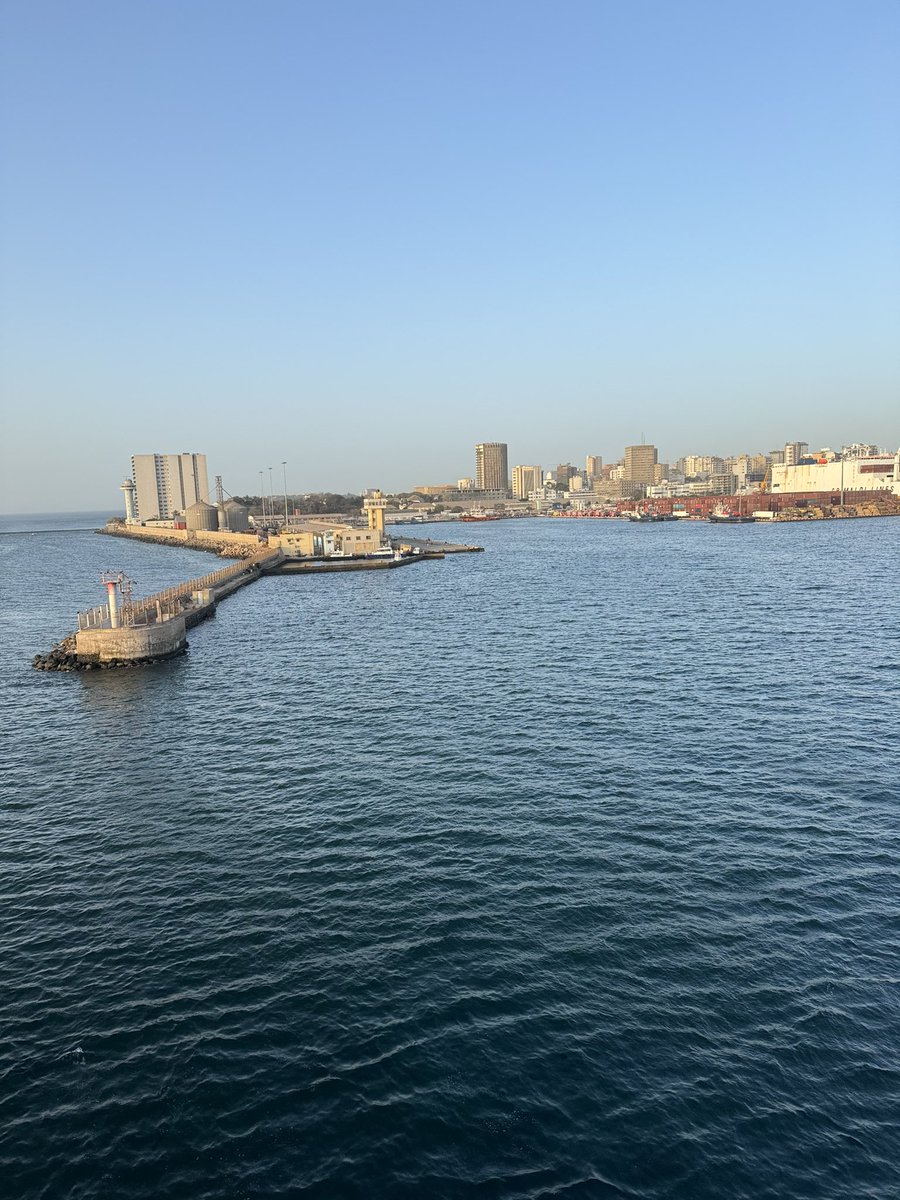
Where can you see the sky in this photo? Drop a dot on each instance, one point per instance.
(362, 236)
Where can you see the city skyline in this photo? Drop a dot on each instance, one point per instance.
(107, 492)
(403, 235)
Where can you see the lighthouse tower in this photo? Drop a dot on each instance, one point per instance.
(128, 488)
(374, 506)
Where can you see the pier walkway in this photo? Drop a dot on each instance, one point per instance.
(428, 546)
(183, 596)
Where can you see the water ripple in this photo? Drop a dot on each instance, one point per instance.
(567, 870)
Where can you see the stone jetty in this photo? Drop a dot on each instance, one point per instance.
(126, 633)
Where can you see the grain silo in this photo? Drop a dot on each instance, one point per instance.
(233, 516)
(237, 518)
(201, 516)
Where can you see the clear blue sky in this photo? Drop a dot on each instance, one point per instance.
(362, 236)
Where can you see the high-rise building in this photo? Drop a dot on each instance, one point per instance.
(525, 480)
(793, 452)
(165, 484)
(593, 465)
(639, 464)
(564, 473)
(491, 467)
(697, 465)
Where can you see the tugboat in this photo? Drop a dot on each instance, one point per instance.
(721, 515)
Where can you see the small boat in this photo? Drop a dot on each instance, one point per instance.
(648, 515)
(721, 515)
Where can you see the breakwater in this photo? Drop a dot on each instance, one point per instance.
(224, 543)
(153, 628)
(134, 633)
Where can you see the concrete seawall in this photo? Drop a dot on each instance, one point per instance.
(127, 644)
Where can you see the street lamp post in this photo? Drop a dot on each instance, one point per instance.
(271, 496)
(284, 480)
(262, 494)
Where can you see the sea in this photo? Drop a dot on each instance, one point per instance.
(568, 869)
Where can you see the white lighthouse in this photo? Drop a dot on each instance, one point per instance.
(128, 489)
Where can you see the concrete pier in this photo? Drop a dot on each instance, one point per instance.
(428, 547)
(325, 566)
(125, 632)
(153, 628)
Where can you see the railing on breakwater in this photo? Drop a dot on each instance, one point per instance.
(170, 601)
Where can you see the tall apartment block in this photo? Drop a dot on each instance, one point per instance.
(640, 462)
(525, 480)
(165, 484)
(793, 452)
(593, 465)
(491, 467)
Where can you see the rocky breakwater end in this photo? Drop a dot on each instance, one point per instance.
(222, 548)
(62, 657)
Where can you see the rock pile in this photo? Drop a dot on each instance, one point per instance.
(222, 547)
(60, 657)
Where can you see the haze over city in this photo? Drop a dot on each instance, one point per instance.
(366, 237)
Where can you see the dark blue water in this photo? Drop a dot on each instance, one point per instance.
(569, 869)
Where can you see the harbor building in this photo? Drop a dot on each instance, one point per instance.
(324, 539)
(165, 484)
(373, 508)
(491, 467)
(526, 479)
(640, 465)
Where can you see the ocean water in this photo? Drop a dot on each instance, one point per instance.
(568, 869)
